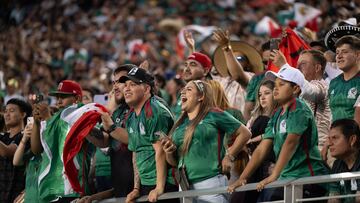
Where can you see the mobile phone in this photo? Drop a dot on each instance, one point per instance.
(161, 135)
(274, 43)
(30, 120)
(101, 99)
(39, 98)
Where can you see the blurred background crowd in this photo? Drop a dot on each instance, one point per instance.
(44, 42)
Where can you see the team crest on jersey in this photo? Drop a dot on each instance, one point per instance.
(283, 126)
(332, 92)
(117, 120)
(352, 93)
(142, 129)
(131, 130)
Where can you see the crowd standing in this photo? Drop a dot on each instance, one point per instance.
(176, 109)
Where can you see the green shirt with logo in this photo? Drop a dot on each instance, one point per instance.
(142, 129)
(343, 96)
(203, 159)
(296, 119)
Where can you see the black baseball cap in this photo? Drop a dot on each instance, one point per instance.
(138, 75)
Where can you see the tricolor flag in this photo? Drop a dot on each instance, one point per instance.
(306, 16)
(62, 137)
(268, 26)
(291, 46)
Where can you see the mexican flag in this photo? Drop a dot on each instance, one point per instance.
(64, 131)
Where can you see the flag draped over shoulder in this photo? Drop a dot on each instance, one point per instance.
(291, 46)
(82, 121)
(53, 182)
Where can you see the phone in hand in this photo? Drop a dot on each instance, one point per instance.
(30, 120)
(274, 44)
(101, 99)
(161, 135)
(39, 98)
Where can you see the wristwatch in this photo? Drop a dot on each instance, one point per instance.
(231, 157)
(111, 128)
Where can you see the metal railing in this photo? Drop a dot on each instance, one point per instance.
(292, 189)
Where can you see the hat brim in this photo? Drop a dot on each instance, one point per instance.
(336, 33)
(249, 51)
(55, 93)
(125, 78)
(271, 75)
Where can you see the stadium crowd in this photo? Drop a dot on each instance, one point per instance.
(104, 98)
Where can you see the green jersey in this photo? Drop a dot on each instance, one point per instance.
(32, 174)
(205, 153)
(296, 119)
(239, 116)
(102, 163)
(176, 109)
(253, 87)
(343, 96)
(142, 129)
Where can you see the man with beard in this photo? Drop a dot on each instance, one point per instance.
(121, 158)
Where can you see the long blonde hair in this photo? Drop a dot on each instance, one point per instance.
(220, 99)
(206, 105)
(258, 110)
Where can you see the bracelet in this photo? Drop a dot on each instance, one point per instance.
(135, 188)
(231, 157)
(227, 48)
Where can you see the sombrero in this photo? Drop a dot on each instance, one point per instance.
(170, 24)
(249, 51)
(333, 35)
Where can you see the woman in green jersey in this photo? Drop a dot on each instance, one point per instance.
(197, 141)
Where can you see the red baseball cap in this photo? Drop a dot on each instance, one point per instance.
(203, 59)
(67, 87)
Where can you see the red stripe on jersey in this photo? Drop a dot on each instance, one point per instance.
(148, 109)
(308, 156)
(173, 175)
(219, 148)
(293, 104)
(217, 110)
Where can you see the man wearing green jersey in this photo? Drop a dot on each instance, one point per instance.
(344, 90)
(146, 120)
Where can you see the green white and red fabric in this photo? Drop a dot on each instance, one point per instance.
(62, 137)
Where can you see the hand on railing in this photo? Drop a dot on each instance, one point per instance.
(238, 183)
(131, 197)
(260, 186)
(154, 194)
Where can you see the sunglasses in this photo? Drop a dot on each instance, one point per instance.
(241, 58)
(116, 81)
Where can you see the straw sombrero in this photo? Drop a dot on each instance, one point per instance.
(171, 24)
(333, 35)
(238, 46)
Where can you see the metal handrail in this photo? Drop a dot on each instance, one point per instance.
(289, 183)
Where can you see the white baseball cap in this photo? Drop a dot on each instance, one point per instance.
(289, 74)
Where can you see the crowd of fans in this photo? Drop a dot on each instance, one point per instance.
(169, 115)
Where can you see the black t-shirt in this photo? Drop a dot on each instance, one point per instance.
(12, 179)
(347, 186)
(122, 173)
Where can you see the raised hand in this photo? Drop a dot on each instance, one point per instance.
(189, 39)
(221, 37)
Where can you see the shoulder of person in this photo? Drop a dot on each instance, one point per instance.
(299, 105)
